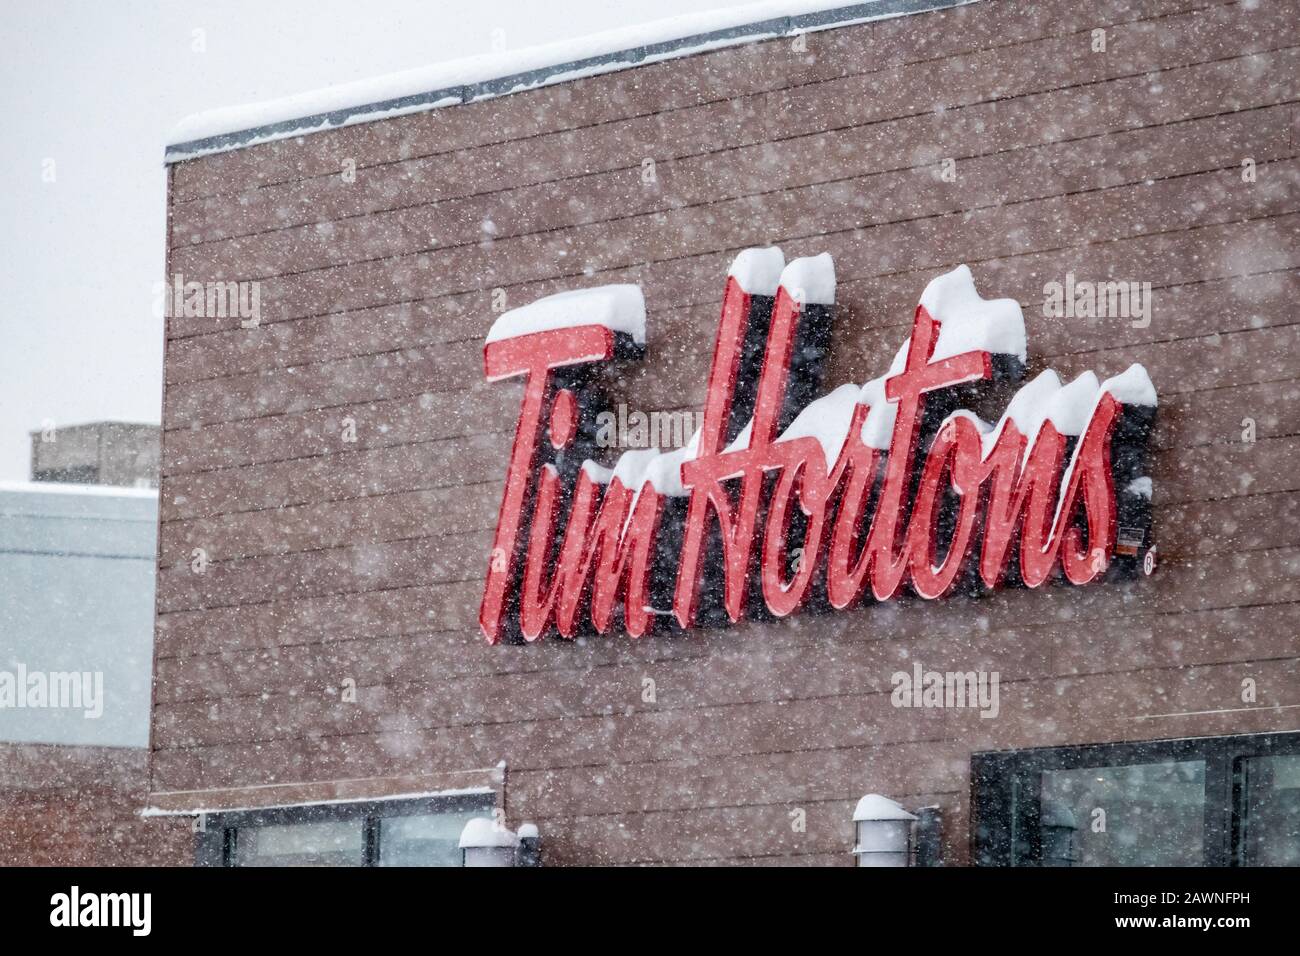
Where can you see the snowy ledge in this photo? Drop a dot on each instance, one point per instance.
(200, 809)
(76, 489)
(268, 796)
(190, 803)
(619, 308)
(500, 74)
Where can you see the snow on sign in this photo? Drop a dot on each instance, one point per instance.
(780, 501)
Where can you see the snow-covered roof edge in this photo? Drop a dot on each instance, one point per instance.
(500, 74)
(77, 488)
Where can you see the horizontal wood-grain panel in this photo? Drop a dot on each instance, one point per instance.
(1260, 80)
(402, 554)
(398, 431)
(1099, 217)
(435, 370)
(471, 411)
(331, 524)
(834, 668)
(348, 569)
(728, 780)
(704, 174)
(339, 473)
(1210, 416)
(651, 89)
(1216, 636)
(1033, 713)
(1057, 168)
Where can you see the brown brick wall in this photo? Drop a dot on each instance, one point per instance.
(80, 806)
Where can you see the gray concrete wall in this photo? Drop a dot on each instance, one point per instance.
(77, 595)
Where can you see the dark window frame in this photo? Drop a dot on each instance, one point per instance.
(1006, 787)
(217, 841)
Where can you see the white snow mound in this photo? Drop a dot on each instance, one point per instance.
(1133, 386)
(484, 832)
(619, 308)
(969, 322)
(826, 419)
(758, 270)
(811, 280)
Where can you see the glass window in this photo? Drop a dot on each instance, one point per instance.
(1211, 801)
(422, 831)
(329, 843)
(424, 839)
(1150, 814)
(1270, 821)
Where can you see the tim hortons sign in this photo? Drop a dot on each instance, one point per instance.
(779, 501)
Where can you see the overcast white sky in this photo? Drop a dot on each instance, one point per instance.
(97, 85)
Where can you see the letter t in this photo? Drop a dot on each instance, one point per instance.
(534, 356)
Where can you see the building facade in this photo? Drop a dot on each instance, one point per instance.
(99, 453)
(76, 651)
(333, 469)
